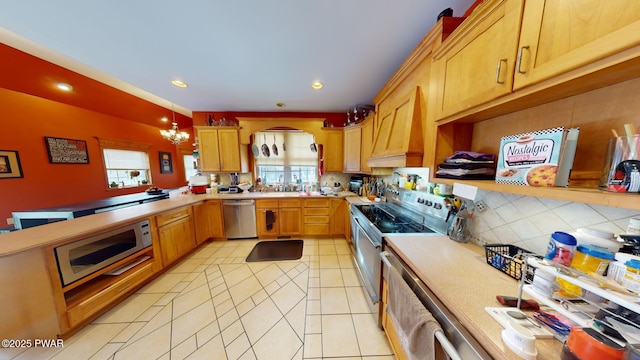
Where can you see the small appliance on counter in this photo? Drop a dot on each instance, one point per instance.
(233, 189)
(198, 184)
(355, 183)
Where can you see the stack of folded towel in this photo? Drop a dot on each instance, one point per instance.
(468, 165)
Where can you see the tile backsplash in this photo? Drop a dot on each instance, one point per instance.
(528, 221)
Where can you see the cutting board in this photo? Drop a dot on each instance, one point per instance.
(500, 315)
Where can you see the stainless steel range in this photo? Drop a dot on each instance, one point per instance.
(404, 212)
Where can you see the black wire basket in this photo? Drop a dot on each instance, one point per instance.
(509, 259)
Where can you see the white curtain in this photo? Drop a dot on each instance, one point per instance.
(298, 146)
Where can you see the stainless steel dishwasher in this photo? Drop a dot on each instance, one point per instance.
(239, 218)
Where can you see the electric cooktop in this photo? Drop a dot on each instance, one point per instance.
(391, 218)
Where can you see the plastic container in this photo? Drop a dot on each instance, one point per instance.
(544, 283)
(586, 259)
(591, 259)
(561, 248)
(589, 344)
(617, 269)
(634, 226)
(601, 239)
(631, 278)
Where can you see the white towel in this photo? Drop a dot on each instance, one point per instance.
(415, 325)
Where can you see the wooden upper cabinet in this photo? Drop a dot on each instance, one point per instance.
(333, 152)
(358, 143)
(352, 148)
(366, 144)
(398, 140)
(219, 149)
(561, 35)
(476, 64)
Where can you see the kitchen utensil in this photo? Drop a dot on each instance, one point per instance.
(553, 323)
(512, 301)
(265, 148)
(522, 316)
(233, 177)
(274, 147)
(314, 146)
(255, 150)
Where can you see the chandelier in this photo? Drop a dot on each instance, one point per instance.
(173, 135)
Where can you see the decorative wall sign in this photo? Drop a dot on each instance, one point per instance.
(166, 166)
(10, 164)
(66, 151)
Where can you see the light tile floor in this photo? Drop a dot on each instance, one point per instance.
(214, 305)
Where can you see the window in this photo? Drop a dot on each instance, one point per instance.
(295, 164)
(189, 166)
(126, 168)
(126, 163)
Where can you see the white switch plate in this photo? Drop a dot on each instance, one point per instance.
(465, 191)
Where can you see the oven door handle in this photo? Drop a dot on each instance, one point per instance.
(363, 280)
(377, 245)
(385, 260)
(446, 345)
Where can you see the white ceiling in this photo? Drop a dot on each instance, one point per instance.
(235, 55)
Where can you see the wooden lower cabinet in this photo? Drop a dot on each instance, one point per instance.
(201, 224)
(262, 229)
(215, 218)
(78, 313)
(316, 217)
(175, 234)
(290, 221)
(338, 222)
(287, 217)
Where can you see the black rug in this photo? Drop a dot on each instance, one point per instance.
(276, 250)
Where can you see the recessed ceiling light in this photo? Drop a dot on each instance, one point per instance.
(281, 105)
(179, 83)
(164, 119)
(64, 86)
(317, 85)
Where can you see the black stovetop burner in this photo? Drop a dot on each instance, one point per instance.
(390, 218)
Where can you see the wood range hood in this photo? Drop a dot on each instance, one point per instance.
(398, 141)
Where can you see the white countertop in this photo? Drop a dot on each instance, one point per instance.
(460, 277)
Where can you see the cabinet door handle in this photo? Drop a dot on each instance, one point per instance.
(519, 60)
(499, 70)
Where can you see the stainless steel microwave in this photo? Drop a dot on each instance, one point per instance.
(84, 257)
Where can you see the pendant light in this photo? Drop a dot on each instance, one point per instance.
(173, 135)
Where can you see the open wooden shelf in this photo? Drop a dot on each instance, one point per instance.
(576, 194)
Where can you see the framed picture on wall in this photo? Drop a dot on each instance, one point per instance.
(66, 151)
(10, 165)
(166, 165)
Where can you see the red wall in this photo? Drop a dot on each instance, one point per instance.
(27, 119)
